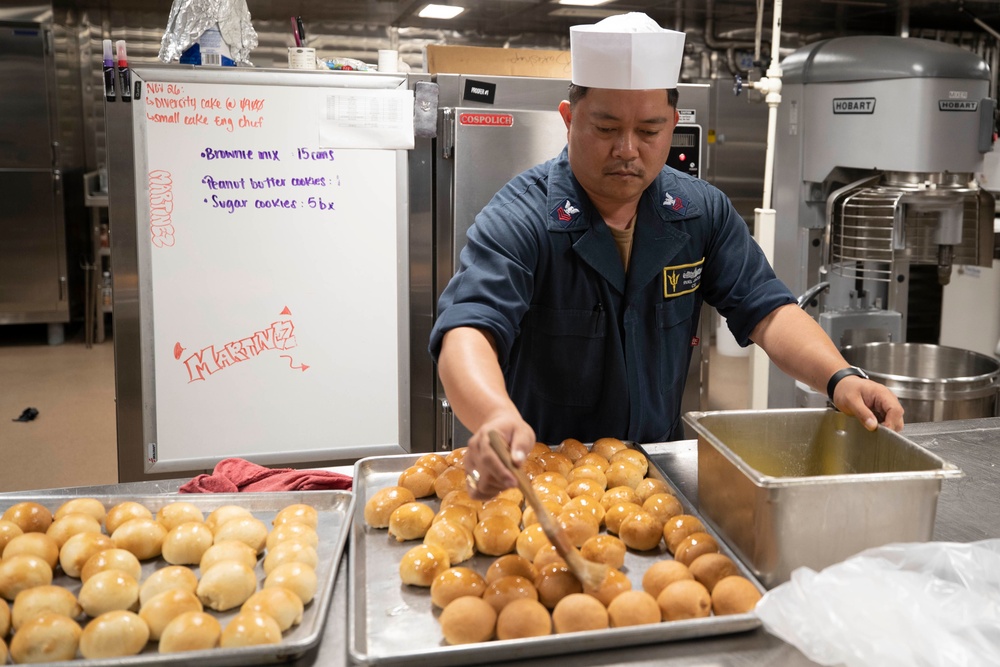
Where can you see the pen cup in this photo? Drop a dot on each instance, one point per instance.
(301, 57)
(387, 60)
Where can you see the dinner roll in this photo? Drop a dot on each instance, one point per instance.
(79, 548)
(278, 602)
(228, 550)
(289, 551)
(297, 513)
(615, 583)
(36, 601)
(8, 531)
(227, 584)
(186, 543)
(554, 582)
(37, 544)
(112, 559)
(22, 572)
(684, 599)
(91, 506)
(70, 524)
(125, 511)
(251, 531)
(172, 577)
(421, 564)
(191, 631)
(29, 516)
(606, 549)
(419, 480)
(456, 541)
(468, 620)
(221, 515)
(495, 535)
(250, 628)
(511, 565)
(174, 514)
(142, 537)
(296, 577)
(109, 591)
(164, 607)
(456, 582)
(501, 592)
(633, 608)
(523, 618)
(46, 638)
(379, 507)
(410, 521)
(114, 634)
(579, 613)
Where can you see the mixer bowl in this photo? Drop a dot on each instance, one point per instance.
(933, 382)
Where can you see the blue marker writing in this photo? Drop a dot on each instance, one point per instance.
(124, 75)
(109, 72)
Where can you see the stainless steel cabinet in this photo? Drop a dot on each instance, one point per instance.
(33, 272)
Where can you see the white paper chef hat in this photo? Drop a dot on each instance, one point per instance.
(626, 52)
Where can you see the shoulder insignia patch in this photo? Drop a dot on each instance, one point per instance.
(675, 204)
(565, 213)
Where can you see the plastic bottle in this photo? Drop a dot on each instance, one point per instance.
(106, 288)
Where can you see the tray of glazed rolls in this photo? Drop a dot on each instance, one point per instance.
(192, 579)
(439, 578)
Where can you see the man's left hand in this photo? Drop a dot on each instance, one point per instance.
(872, 403)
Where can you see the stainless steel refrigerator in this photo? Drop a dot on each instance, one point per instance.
(490, 129)
(33, 272)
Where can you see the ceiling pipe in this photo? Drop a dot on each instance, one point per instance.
(903, 19)
(713, 42)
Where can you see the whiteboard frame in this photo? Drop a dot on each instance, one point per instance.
(152, 463)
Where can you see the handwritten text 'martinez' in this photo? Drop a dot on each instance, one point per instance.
(280, 336)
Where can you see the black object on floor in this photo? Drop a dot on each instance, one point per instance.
(28, 415)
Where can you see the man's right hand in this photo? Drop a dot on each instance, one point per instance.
(481, 463)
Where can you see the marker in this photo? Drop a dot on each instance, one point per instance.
(301, 29)
(123, 73)
(109, 72)
(295, 33)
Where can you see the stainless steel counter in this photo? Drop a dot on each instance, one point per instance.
(963, 515)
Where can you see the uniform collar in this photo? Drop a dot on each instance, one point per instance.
(568, 208)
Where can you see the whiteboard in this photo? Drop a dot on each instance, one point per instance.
(272, 274)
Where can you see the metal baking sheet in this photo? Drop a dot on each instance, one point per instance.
(334, 509)
(391, 623)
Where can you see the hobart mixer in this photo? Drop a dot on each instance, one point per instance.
(879, 140)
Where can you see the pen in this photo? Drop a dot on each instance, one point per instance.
(125, 77)
(109, 72)
(301, 29)
(295, 33)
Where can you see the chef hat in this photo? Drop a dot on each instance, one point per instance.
(626, 52)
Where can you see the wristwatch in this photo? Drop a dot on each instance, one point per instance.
(840, 375)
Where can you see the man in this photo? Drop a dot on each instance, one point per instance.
(577, 300)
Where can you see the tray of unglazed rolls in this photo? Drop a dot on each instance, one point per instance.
(417, 589)
(168, 579)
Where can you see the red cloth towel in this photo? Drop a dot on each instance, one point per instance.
(232, 475)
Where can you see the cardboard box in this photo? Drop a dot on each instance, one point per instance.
(500, 62)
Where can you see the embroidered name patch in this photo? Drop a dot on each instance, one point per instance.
(681, 279)
(565, 213)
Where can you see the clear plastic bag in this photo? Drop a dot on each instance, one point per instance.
(934, 603)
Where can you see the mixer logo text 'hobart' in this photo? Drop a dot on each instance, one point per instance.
(853, 105)
(957, 105)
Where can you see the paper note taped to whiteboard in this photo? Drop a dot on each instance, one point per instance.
(367, 119)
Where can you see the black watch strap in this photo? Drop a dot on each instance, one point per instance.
(840, 375)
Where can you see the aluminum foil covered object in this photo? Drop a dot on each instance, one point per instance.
(190, 18)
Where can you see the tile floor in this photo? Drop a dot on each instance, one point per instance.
(72, 442)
